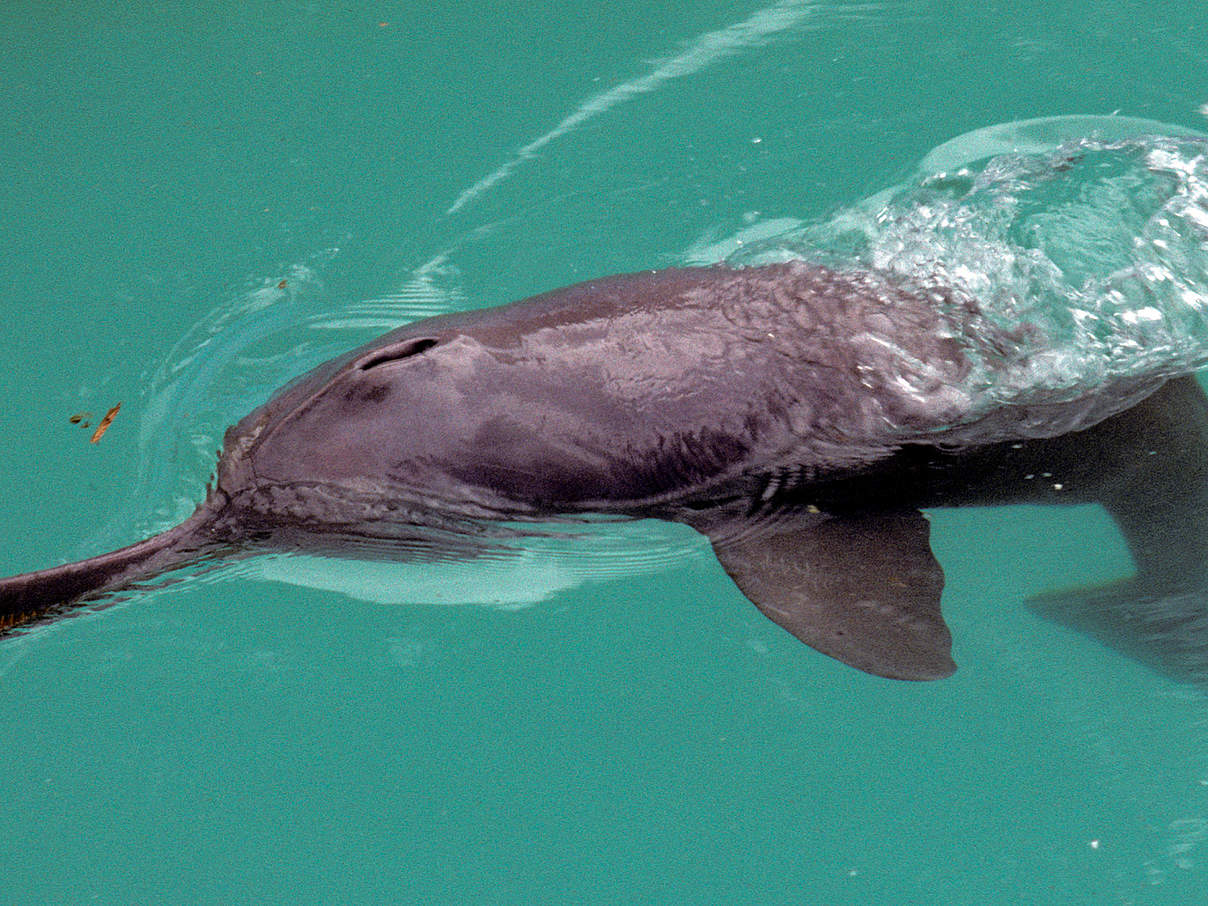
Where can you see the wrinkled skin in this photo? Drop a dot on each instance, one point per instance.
(607, 395)
(796, 415)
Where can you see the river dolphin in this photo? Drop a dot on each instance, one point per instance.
(799, 416)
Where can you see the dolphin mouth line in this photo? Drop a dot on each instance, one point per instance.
(327, 504)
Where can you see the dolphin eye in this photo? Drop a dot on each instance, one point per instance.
(397, 353)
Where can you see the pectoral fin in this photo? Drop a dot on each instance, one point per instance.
(862, 589)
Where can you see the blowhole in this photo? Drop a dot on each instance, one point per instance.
(397, 353)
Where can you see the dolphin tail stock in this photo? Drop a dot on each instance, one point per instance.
(862, 588)
(49, 593)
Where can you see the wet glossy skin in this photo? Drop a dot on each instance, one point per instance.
(612, 394)
(795, 415)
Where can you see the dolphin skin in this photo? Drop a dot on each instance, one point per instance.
(798, 416)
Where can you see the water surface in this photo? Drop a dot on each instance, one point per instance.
(201, 202)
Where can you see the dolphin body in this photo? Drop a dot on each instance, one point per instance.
(798, 416)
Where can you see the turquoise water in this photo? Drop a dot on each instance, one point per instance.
(620, 728)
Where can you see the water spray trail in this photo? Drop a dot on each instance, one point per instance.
(706, 50)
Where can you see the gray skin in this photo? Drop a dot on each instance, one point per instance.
(798, 416)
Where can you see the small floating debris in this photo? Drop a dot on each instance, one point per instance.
(281, 285)
(83, 419)
(105, 423)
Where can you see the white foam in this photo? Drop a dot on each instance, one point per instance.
(1088, 232)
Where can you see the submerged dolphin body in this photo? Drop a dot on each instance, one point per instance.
(798, 416)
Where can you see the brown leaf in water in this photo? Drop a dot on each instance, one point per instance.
(105, 423)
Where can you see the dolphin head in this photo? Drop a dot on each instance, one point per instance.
(385, 418)
(459, 414)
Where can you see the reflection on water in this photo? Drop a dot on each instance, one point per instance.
(531, 570)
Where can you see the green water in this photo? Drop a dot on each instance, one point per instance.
(644, 738)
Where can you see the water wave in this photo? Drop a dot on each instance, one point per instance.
(702, 52)
(1097, 244)
(266, 331)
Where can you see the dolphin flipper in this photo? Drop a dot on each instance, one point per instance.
(862, 589)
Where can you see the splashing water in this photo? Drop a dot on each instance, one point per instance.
(1097, 248)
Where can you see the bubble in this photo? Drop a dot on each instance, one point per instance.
(1083, 239)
